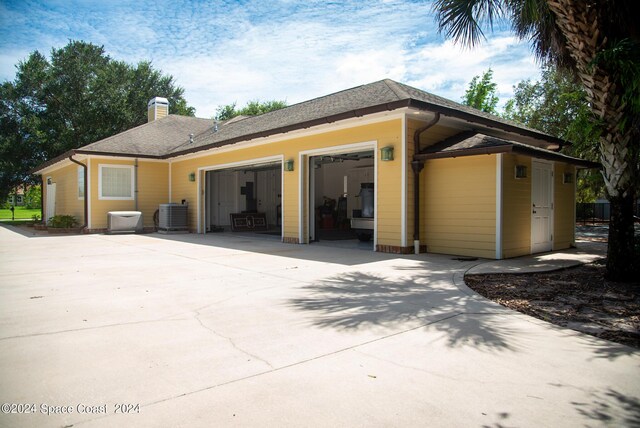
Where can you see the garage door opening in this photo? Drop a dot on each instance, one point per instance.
(342, 199)
(244, 199)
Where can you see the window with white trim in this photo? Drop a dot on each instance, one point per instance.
(115, 182)
(80, 182)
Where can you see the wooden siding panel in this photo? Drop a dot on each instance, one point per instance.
(458, 214)
(153, 188)
(100, 208)
(67, 201)
(428, 138)
(516, 207)
(564, 222)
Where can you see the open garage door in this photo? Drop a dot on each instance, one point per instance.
(244, 199)
(342, 199)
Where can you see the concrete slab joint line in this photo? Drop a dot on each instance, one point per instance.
(230, 340)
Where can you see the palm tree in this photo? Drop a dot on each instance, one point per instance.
(599, 42)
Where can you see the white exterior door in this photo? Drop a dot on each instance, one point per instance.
(51, 202)
(541, 206)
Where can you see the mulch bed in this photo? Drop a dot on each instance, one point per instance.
(578, 298)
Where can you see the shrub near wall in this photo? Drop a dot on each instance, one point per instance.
(63, 224)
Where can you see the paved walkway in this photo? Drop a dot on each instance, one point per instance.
(242, 331)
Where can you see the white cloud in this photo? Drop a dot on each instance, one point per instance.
(448, 68)
(222, 52)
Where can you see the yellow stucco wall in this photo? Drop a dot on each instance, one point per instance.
(67, 201)
(564, 223)
(516, 207)
(460, 205)
(153, 189)
(389, 174)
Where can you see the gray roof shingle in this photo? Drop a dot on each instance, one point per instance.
(378, 96)
(153, 139)
(169, 136)
(471, 143)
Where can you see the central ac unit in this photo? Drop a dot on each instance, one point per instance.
(172, 218)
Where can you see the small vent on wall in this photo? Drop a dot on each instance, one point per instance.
(521, 171)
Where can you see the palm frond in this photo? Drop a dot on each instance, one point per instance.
(463, 20)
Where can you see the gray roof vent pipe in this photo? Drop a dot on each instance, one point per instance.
(191, 138)
(215, 126)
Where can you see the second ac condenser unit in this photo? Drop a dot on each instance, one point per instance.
(172, 218)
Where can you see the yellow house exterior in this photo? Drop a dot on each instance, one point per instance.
(478, 174)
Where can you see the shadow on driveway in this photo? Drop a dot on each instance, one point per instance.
(363, 300)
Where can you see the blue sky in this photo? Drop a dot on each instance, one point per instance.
(236, 51)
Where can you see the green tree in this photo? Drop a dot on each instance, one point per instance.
(482, 93)
(253, 108)
(78, 96)
(598, 42)
(33, 197)
(557, 105)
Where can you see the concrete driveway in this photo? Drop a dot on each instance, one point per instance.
(185, 330)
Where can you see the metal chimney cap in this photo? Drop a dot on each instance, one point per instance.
(158, 101)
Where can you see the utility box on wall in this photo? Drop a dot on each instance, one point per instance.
(124, 222)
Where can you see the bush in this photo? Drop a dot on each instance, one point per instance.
(63, 221)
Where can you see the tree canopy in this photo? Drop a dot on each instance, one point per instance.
(253, 108)
(481, 93)
(77, 96)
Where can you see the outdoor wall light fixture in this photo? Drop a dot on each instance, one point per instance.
(288, 165)
(521, 171)
(192, 176)
(386, 153)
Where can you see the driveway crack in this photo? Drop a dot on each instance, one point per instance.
(231, 341)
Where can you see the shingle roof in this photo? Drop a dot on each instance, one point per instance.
(471, 143)
(169, 136)
(155, 138)
(374, 97)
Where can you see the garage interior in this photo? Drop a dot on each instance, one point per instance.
(341, 198)
(244, 199)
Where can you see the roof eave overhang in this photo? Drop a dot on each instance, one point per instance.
(508, 148)
(39, 169)
(446, 111)
(301, 125)
(122, 155)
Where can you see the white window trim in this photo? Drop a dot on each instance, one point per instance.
(115, 198)
(81, 198)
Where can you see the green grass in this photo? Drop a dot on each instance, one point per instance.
(21, 213)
